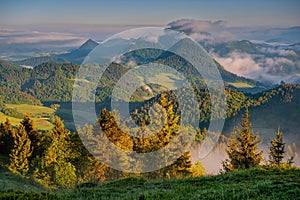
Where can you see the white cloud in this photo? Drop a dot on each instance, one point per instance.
(199, 30)
(264, 69)
(241, 64)
(23, 37)
(276, 61)
(280, 52)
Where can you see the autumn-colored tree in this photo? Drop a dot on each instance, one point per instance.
(21, 152)
(242, 147)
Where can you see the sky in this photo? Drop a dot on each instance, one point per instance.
(280, 13)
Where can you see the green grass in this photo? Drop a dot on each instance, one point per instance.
(32, 110)
(167, 80)
(240, 85)
(39, 114)
(247, 184)
(12, 120)
(13, 182)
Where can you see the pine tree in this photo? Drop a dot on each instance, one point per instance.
(55, 168)
(243, 147)
(7, 137)
(20, 152)
(182, 166)
(59, 128)
(276, 149)
(88, 168)
(33, 135)
(198, 169)
(115, 134)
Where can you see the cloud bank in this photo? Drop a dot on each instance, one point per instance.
(201, 30)
(270, 70)
(17, 37)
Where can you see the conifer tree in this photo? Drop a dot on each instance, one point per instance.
(33, 135)
(243, 147)
(21, 152)
(115, 134)
(55, 168)
(7, 137)
(198, 169)
(182, 166)
(276, 149)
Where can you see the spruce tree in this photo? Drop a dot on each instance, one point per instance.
(198, 169)
(33, 135)
(243, 147)
(115, 134)
(7, 137)
(20, 152)
(55, 168)
(276, 149)
(182, 166)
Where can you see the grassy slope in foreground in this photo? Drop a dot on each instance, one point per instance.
(246, 184)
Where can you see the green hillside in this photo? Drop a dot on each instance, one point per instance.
(271, 109)
(41, 115)
(258, 183)
(35, 61)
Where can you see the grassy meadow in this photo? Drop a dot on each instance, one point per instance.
(40, 114)
(256, 183)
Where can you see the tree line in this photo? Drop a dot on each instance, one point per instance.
(58, 158)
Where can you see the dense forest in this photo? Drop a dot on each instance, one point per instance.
(58, 158)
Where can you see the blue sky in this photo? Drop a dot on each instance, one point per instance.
(152, 12)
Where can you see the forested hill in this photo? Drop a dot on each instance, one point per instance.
(35, 61)
(54, 81)
(46, 82)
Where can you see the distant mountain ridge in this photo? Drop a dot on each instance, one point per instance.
(35, 61)
(78, 55)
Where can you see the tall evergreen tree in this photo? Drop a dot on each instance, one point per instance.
(55, 168)
(182, 166)
(7, 137)
(88, 168)
(243, 147)
(276, 149)
(33, 135)
(115, 134)
(198, 169)
(20, 152)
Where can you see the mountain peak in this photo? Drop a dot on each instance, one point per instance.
(89, 45)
